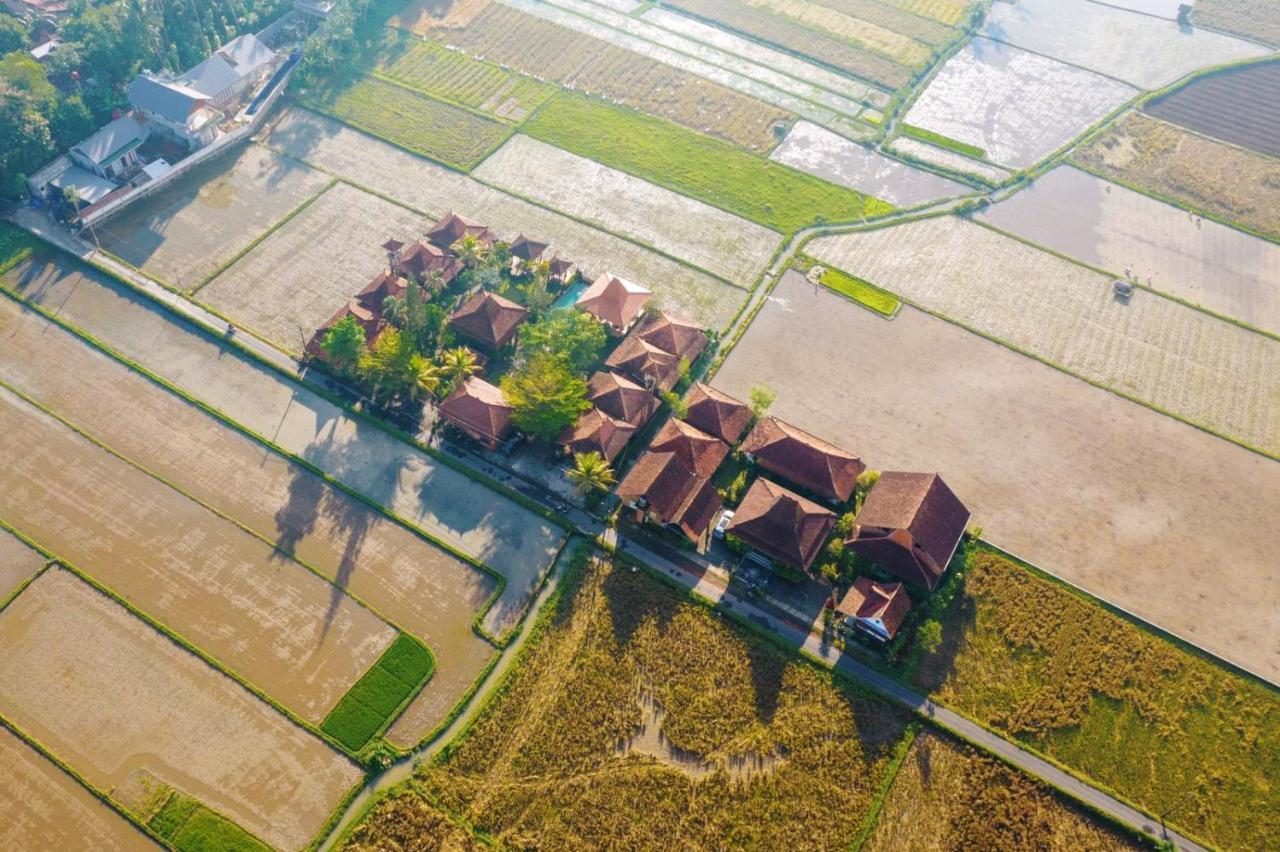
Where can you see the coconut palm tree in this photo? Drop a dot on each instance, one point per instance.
(426, 377)
(458, 364)
(395, 311)
(470, 251)
(590, 472)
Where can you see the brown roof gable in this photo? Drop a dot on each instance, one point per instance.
(420, 259)
(716, 413)
(621, 398)
(808, 461)
(379, 289)
(488, 319)
(652, 352)
(453, 227)
(869, 599)
(614, 300)
(781, 524)
(527, 249)
(673, 492)
(596, 431)
(910, 524)
(701, 452)
(478, 408)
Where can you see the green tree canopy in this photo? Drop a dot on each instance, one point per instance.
(13, 34)
(572, 335)
(545, 395)
(343, 344)
(590, 472)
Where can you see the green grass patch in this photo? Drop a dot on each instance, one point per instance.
(375, 698)
(191, 827)
(415, 122)
(944, 141)
(455, 76)
(698, 166)
(860, 291)
(1163, 726)
(16, 245)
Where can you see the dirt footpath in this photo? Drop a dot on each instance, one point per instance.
(1156, 516)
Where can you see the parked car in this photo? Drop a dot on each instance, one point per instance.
(722, 524)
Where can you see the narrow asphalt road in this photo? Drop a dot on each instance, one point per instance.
(692, 577)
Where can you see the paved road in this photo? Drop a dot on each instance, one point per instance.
(703, 582)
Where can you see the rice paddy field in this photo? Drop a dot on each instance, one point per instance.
(1116, 229)
(1068, 476)
(1015, 105)
(185, 233)
(948, 795)
(1165, 727)
(1165, 354)
(771, 194)
(423, 125)
(423, 186)
(831, 157)
(1252, 19)
(415, 585)
(697, 233)
(740, 68)
(46, 807)
(134, 713)
(1187, 169)
(741, 728)
(1143, 51)
(800, 37)
(949, 12)
(303, 272)
(18, 563)
(424, 493)
(454, 76)
(1240, 106)
(547, 51)
(266, 618)
(950, 161)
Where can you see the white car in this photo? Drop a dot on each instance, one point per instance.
(723, 523)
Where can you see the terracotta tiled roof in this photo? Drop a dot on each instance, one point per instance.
(422, 258)
(716, 413)
(527, 249)
(379, 289)
(479, 409)
(806, 460)
(488, 319)
(561, 267)
(621, 398)
(371, 321)
(910, 524)
(885, 602)
(598, 432)
(652, 352)
(614, 300)
(781, 524)
(675, 494)
(453, 227)
(699, 451)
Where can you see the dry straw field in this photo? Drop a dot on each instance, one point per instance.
(295, 279)
(548, 51)
(1173, 357)
(186, 232)
(125, 707)
(1095, 692)
(698, 233)
(1188, 169)
(948, 795)
(465, 514)
(268, 619)
(1254, 19)
(423, 186)
(47, 808)
(416, 585)
(18, 563)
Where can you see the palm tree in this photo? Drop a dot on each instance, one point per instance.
(427, 377)
(458, 364)
(590, 472)
(470, 251)
(395, 311)
(537, 296)
(72, 196)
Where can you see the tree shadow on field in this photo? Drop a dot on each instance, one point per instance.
(296, 519)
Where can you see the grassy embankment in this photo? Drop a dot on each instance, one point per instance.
(758, 748)
(698, 166)
(1162, 726)
(944, 142)
(380, 694)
